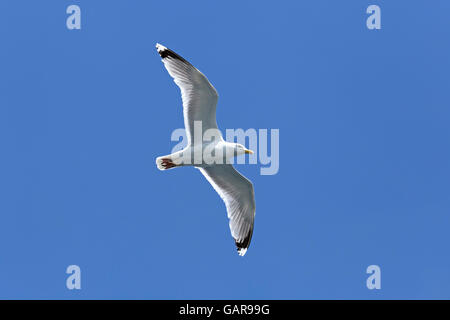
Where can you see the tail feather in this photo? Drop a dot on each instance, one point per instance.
(165, 162)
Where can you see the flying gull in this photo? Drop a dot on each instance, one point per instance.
(199, 106)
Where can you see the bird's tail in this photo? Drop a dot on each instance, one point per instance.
(165, 162)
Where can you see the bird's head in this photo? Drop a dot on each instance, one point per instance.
(240, 149)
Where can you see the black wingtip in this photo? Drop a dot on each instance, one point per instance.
(165, 52)
(243, 245)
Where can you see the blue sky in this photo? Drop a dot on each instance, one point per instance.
(364, 150)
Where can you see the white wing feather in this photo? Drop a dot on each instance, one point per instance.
(198, 94)
(237, 193)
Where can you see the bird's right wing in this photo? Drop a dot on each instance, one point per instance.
(199, 96)
(237, 193)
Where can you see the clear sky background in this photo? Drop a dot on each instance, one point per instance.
(364, 149)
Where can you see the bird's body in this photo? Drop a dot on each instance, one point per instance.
(206, 148)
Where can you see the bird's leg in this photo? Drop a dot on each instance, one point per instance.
(167, 163)
(171, 160)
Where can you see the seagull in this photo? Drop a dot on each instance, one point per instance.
(199, 107)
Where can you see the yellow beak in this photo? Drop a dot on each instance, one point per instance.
(248, 151)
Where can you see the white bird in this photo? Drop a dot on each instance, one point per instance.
(199, 106)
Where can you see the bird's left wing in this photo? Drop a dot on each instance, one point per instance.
(198, 94)
(237, 193)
